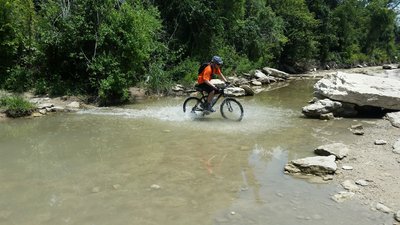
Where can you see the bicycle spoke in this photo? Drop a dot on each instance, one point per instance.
(231, 109)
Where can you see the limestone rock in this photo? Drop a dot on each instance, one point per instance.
(360, 89)
(342, 196)
(381, 207)
(339, 150)
(394, 118)
(248, 90)
(380, 142)
(325, 106)
(317, 165)
(234, 91)
(74, 105)
(350, 185)
(397, 216)
(396, 147)
(275, 73)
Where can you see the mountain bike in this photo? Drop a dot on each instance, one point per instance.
(230, 108)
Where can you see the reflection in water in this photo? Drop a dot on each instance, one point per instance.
(148, 164)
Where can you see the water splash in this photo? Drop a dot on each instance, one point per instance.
(256, 118)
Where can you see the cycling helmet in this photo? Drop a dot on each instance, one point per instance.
(217, 60)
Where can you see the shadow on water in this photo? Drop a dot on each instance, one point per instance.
(150, 164)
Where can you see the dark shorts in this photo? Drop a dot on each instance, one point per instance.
(205, 87)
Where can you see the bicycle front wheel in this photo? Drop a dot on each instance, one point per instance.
(192, 106)
(231, 109)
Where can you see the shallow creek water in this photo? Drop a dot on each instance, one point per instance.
(148, 163)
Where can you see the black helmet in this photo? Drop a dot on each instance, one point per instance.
(217, 60)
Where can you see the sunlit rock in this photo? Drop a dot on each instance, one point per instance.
(396, 147)
(394, 118)
(380, 142)
(383, 208)
(350, 185)
(235, 91)
(325, 106)
(317, 165)
(360, 89)
(74, 105)
(248, 90)
(397, 216)
(275, 73)
(339, 150)
(342, 196)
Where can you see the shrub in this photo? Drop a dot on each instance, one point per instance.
(158, 81)
(185, 71)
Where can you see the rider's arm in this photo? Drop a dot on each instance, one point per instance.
(210, 84)
(222, 77)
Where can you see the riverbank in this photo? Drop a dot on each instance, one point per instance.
(376, 164)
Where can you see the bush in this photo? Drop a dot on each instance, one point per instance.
(19, 79)
(185, 71)
(158, 81)
(113, 90)
(16, 106)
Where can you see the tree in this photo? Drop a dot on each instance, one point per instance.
(102, 46)
(260, 35)
(349, 21)
(381, 26)
(300, 25)
(17, 43)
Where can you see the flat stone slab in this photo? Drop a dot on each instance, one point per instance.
(337, 149)
(317, 165)
(360, 89)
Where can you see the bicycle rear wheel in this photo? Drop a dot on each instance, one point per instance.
(192, 106)
(231, 109)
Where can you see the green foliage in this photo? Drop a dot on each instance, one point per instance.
(185, 71)
(300, 25)
(17, 43)
(381, 25)
(260, 37)
(103, 47)
(158, 81)
(234, 63)
(18, 79)
(97, 47)
(16, 106)
(113, 90)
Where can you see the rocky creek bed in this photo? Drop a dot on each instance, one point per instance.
(369, 171)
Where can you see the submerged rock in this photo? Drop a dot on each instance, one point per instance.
(342, 196)
(381, 207)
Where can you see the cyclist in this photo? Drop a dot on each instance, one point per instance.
(203, 80)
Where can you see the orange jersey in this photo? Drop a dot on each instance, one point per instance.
(207, 74)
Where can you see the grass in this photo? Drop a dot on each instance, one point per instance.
(16, 106)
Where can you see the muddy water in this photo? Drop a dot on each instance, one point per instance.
(148, 163)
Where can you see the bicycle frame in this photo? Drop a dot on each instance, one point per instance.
(230, 108)
(204, 97)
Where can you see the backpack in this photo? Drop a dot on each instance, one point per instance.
(202, 67)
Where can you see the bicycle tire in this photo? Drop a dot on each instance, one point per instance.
(192, 105)
(231, 109)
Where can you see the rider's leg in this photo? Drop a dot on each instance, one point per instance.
(210, 96)
(209, 101)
